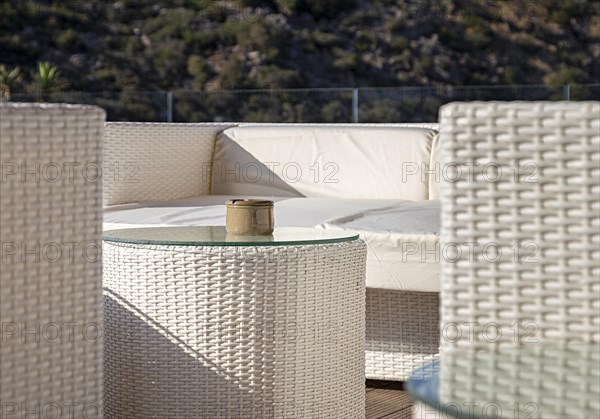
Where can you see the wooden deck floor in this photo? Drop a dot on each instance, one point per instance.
(387, 399)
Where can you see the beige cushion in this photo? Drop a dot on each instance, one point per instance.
(313, 161)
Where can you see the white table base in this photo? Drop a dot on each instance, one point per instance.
(234, 331)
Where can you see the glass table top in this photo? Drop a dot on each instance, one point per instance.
(217, 236)
(533, 381)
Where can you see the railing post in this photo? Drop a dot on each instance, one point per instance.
(355, 105)
(169, 106)
(567, 92)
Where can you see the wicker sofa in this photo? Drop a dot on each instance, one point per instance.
(374, 179)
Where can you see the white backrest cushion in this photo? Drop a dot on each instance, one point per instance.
(323, 161)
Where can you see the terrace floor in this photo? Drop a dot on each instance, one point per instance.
(387, 399)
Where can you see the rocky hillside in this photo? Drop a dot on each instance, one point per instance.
(140, 45)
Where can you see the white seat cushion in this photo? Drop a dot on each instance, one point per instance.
(395, 230)
(403, 244)
(312, 161)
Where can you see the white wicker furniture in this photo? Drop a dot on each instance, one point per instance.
(162, 162)
(536, 381)
(50, 288)
(522, 218)
(199, 324)
(402, 332)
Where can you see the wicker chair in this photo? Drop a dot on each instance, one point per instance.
(520, 236)
(51, 217)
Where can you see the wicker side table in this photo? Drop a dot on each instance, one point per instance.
(198, 324)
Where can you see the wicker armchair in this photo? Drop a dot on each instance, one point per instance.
(50, 288)
(521, 266)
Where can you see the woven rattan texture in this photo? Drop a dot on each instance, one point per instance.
(50, 288)
(272, 331)
(402, 332)
(520, 223)
(537, 381)
(155, 162)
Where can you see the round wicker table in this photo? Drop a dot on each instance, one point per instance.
(201, 324)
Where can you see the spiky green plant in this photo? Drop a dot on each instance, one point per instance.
(46, 78)
(7, 79)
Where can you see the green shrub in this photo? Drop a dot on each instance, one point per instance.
(478, 32)
(562, 11)
(395, 25)
(510, 76)
(566, 75)
(104, 75)
(528, 44)
(365, 41)
(198, 69)
(287, 6)
(400, 43)
(307, 42)
(345, 61)
(271, 76)
(360, 20)
(228, 33)
(216, 12)
(201, 41)
(234, 74)
(69, 40)
(254, 35)
(325, 39)
(422, 65)
(134, 47)
(384, 110)
(335, 112)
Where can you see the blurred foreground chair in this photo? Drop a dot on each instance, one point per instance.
(50, 283)
(520, 287)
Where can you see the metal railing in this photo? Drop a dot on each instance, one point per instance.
(334, 105)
